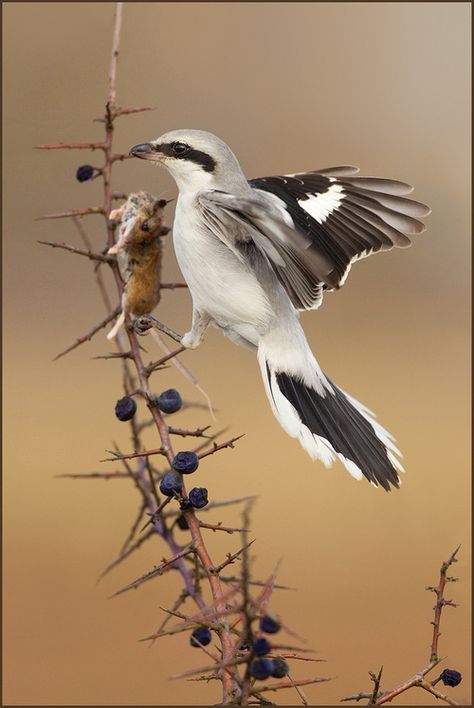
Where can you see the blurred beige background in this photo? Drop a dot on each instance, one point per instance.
(290, 86)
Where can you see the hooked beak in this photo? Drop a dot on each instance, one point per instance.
(145, 151)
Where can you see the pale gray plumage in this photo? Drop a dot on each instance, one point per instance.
(254, 252)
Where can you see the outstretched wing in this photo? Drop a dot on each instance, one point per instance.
(346, 218)
(249, 222)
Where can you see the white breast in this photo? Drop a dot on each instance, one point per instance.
(220, 283)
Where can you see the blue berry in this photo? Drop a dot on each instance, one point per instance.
(280, 668)
(169, 401)
(84, 173)
(450, 677)
(171, 484)
(201, 635)
(261, 647)
(261, 669)
(125, 408)
(185, 462)
(198, 497)
(269, 625)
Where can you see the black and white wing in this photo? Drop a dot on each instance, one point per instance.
(311, 227)
(346, 218)
(248, 222)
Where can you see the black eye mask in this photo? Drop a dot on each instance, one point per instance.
(189, 153)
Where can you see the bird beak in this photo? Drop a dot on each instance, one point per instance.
(145, 151)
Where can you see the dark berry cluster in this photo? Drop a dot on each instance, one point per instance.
(262, 669)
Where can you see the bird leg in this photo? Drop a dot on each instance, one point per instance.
(193, 338)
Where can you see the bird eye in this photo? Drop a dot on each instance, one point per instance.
(180, 148)
(145, 226)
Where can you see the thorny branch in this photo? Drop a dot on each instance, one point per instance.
(141, 478)
(89, 254)
(378, 698)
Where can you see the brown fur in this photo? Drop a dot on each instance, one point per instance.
(139, 254)
(143, 256)
(142, 288)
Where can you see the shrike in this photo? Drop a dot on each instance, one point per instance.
(255, 252)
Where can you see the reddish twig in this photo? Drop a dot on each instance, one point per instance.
(231, 557)
(95, 475)
(287, 684)
(182, 432)
(376, 679)
(133, 455)
(71, 146)
(128, 111)
(441, 601)
(418, 679)
(72, 213)
(222, 446)
(154, 365)
(159, 570)
(219, 527)
(89, 254)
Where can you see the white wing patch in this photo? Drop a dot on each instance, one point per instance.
(320, 206)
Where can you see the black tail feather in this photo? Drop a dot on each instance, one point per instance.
(335, 419)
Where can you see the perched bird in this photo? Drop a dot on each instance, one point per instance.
(139, 249)
(255, 252)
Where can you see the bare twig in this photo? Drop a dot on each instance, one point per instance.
(128, 111)
(154, 365)
(376, 679)
(72, 212)
(71, 146)
(220, 527)
(288, 684)
(87, 337)
(182, 432)
(126, 554)
(441, 602)
(89, 254)
(442, 696)
(418, 679)
(231, 557)
(94, 475)
(133, 455)
(221, 446)
(154, 572)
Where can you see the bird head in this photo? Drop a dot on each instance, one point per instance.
(197, 160)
